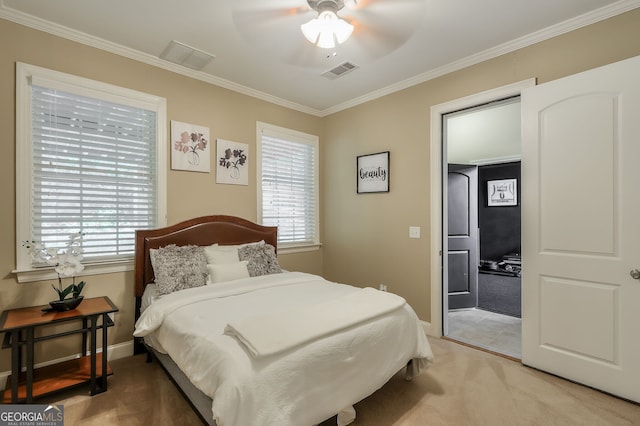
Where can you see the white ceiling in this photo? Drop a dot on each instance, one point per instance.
(259, 49)
(486, 134)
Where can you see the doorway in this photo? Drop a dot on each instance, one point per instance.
(482, 225)
(580, 305)
(438, 323)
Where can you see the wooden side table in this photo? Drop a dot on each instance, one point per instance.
(19, 326)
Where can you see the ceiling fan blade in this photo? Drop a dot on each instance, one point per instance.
(363, 4)
(381, 26)
(273, 29)
(396, 11)
(247, 17)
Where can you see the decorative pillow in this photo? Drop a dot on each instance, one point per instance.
(178, 267)
(149, 296)
(262, 259)
(218, 255)
(227, 272)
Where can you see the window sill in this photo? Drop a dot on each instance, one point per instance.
(43, 274)
(290, 249)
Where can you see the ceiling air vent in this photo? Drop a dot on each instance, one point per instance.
(340, 70)
(188, 56)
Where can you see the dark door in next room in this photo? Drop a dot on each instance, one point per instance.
(462, 240)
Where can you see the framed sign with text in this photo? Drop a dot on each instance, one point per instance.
(502, 192)
(373, 172)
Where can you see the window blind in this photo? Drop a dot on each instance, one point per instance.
(289, 188)
(93, 170)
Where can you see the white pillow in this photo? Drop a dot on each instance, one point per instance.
(228, 272)
(149, 296)
(219, 255)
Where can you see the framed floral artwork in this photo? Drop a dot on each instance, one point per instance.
(190, 147)
(233, 166)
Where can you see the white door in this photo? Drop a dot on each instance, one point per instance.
(581, 228)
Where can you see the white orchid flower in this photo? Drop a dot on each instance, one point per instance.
(65, 260)
(51, 256)
(76, 237)
(69, 266)
(34, 246)
(63, 270)
(79, 267)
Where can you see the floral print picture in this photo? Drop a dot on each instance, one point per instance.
(233, 166)
(190, 147)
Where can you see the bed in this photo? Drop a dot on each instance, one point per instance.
(256, 344)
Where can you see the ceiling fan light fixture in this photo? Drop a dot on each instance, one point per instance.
(327, 29)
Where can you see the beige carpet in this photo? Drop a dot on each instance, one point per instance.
(464, 387)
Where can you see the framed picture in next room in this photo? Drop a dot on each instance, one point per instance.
(503, 192)
(373, 172)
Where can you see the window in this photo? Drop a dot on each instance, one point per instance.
(91, 158)
(288, 185)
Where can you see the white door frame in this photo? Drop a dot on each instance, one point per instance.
(435, 327)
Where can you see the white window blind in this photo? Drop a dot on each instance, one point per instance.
(90, 156)
(288, 183)
(94, 169)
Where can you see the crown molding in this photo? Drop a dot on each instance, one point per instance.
(102, 44)
(589, 18)
(491, 53)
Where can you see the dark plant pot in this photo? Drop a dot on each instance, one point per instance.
(66, 304)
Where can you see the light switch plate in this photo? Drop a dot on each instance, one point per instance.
(414, 232)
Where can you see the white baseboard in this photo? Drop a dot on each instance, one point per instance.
(120, 350)
(428, 329)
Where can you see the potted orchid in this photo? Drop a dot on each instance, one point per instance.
(66, 261)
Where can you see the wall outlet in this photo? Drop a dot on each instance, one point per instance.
(414, 232)
(383, 287)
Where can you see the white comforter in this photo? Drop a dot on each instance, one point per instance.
(303, 385)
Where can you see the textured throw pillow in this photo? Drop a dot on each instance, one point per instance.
(227, 272)
(261, 259)
(178, 267)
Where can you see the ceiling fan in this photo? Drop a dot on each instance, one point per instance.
(327, 29)
(371, 28)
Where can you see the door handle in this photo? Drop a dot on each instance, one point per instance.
(635, 274)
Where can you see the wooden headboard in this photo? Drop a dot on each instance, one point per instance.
(201, 231)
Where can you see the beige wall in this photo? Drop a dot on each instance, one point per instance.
(228, 115)
(366, 236)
